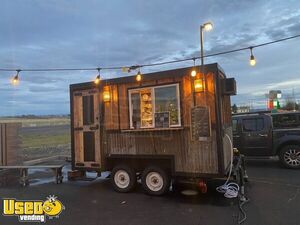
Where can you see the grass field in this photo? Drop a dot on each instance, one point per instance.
(45, 140)
(28, 122)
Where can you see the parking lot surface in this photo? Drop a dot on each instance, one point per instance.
(273, 193)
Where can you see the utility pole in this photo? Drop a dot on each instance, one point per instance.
(294, 99)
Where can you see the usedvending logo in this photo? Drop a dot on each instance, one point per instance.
(33, 210)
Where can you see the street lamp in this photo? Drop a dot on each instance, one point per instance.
(208, 26)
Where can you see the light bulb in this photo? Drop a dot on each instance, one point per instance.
(15, 80)
(97, 80)
(208, 26)
(193, 73)
(138, 76)
(252, 60)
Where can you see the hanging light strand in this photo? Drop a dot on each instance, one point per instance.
(129, 68)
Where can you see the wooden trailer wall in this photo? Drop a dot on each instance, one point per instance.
(191, 156)
(10, 144)
(109, 128)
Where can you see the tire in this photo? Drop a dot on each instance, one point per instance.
(155, 181)
(290, 156)
(123, 178)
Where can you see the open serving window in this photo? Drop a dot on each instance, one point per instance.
(155, 107)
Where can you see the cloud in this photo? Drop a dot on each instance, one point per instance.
(60, 33)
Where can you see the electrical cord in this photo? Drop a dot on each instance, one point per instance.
(241, 204)
(231, 189)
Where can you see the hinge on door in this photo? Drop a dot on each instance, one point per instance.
(93, 91)
(78, 128)
(95, 127)
(78, 94)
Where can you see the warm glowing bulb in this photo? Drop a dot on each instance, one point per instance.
(15, 80)
(193, 73)
(208, 26)
(138, 76)
(97, 80)
(106, 96)
(198, 85)
(252, 60)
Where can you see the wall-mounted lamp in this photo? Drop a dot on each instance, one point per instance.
(106, 96)
(198, 85)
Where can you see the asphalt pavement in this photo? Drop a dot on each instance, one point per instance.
(273, 193)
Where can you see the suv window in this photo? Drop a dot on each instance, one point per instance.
(251, 125)
(234, 125)
(286, 120)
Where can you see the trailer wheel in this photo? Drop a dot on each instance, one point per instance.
(123, 178)
(155, 180)
(290, 156)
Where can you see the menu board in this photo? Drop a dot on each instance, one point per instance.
(162, 119)
(200, 123)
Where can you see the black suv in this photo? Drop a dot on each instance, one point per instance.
(265, 134)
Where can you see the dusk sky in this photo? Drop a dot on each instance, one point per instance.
(90, 33)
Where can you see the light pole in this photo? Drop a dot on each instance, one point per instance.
(204, 27)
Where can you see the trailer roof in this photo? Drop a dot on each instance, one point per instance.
(213, 67)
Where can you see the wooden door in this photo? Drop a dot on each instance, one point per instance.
(86, 128)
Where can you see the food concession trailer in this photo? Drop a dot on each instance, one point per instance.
(167, 126)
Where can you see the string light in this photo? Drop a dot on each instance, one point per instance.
(252, 58)
(15, 80)
(138, 76)
(97, 80)
(206, 26)
(194, 72)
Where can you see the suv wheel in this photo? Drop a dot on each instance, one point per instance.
(123, 178)
(290, 156)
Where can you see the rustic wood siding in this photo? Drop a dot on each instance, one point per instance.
(190, 156)
(10, 144)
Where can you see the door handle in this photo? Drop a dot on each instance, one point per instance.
(236, 136)
(263, 135)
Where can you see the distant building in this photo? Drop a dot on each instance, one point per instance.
(243, 109)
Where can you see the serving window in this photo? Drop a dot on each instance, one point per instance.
(155, 107)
